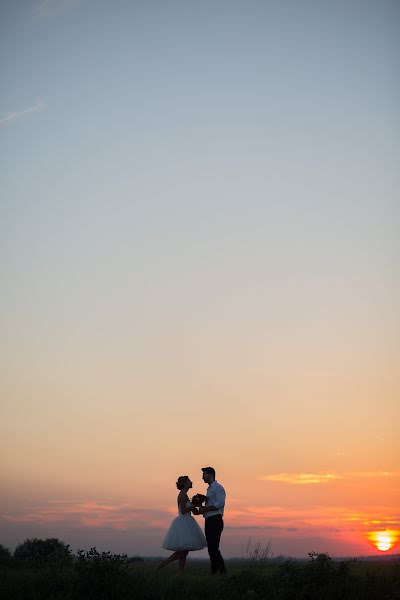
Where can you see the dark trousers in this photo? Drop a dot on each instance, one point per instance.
(213, 529)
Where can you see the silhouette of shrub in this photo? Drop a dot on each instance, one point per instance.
(101, 574)
(6, 558)
(43, 553)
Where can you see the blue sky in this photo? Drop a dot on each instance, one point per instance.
(221, 140)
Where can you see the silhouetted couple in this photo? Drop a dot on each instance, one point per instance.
(184, 534)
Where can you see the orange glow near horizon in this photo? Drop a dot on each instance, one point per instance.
(384, 540)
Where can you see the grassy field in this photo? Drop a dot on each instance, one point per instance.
(105, 577)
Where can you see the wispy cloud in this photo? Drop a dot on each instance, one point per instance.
(315, 518)
(8, 117)
(126, 516)
(52, 8)
(91, 514)
(317, 478)
(301, 478)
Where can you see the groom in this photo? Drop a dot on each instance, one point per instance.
(213, 512)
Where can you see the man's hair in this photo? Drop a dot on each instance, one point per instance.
(209, 470)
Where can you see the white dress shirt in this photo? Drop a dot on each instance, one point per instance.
(215, 497)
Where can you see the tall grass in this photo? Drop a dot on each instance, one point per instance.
(106, 576)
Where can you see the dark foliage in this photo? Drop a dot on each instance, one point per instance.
(106, 576)
(6, 558)
(38, 553)
(101, 575)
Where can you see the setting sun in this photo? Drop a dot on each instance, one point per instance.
(384, 540)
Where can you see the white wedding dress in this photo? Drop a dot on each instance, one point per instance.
(184, 533)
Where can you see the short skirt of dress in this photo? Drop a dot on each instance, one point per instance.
(184, 534)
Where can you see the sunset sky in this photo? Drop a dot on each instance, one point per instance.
(199, 265)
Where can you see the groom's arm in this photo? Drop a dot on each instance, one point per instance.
(218, 502)
(205, 509)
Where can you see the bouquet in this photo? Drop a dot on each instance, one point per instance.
(198, 499)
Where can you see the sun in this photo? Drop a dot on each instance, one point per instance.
(384, 540)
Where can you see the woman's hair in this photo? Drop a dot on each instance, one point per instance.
(180, 484)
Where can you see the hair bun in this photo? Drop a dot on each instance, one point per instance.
(180, 484)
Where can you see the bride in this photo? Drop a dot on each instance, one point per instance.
(184, 533)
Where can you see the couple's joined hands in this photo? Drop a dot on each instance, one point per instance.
(198, 510)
